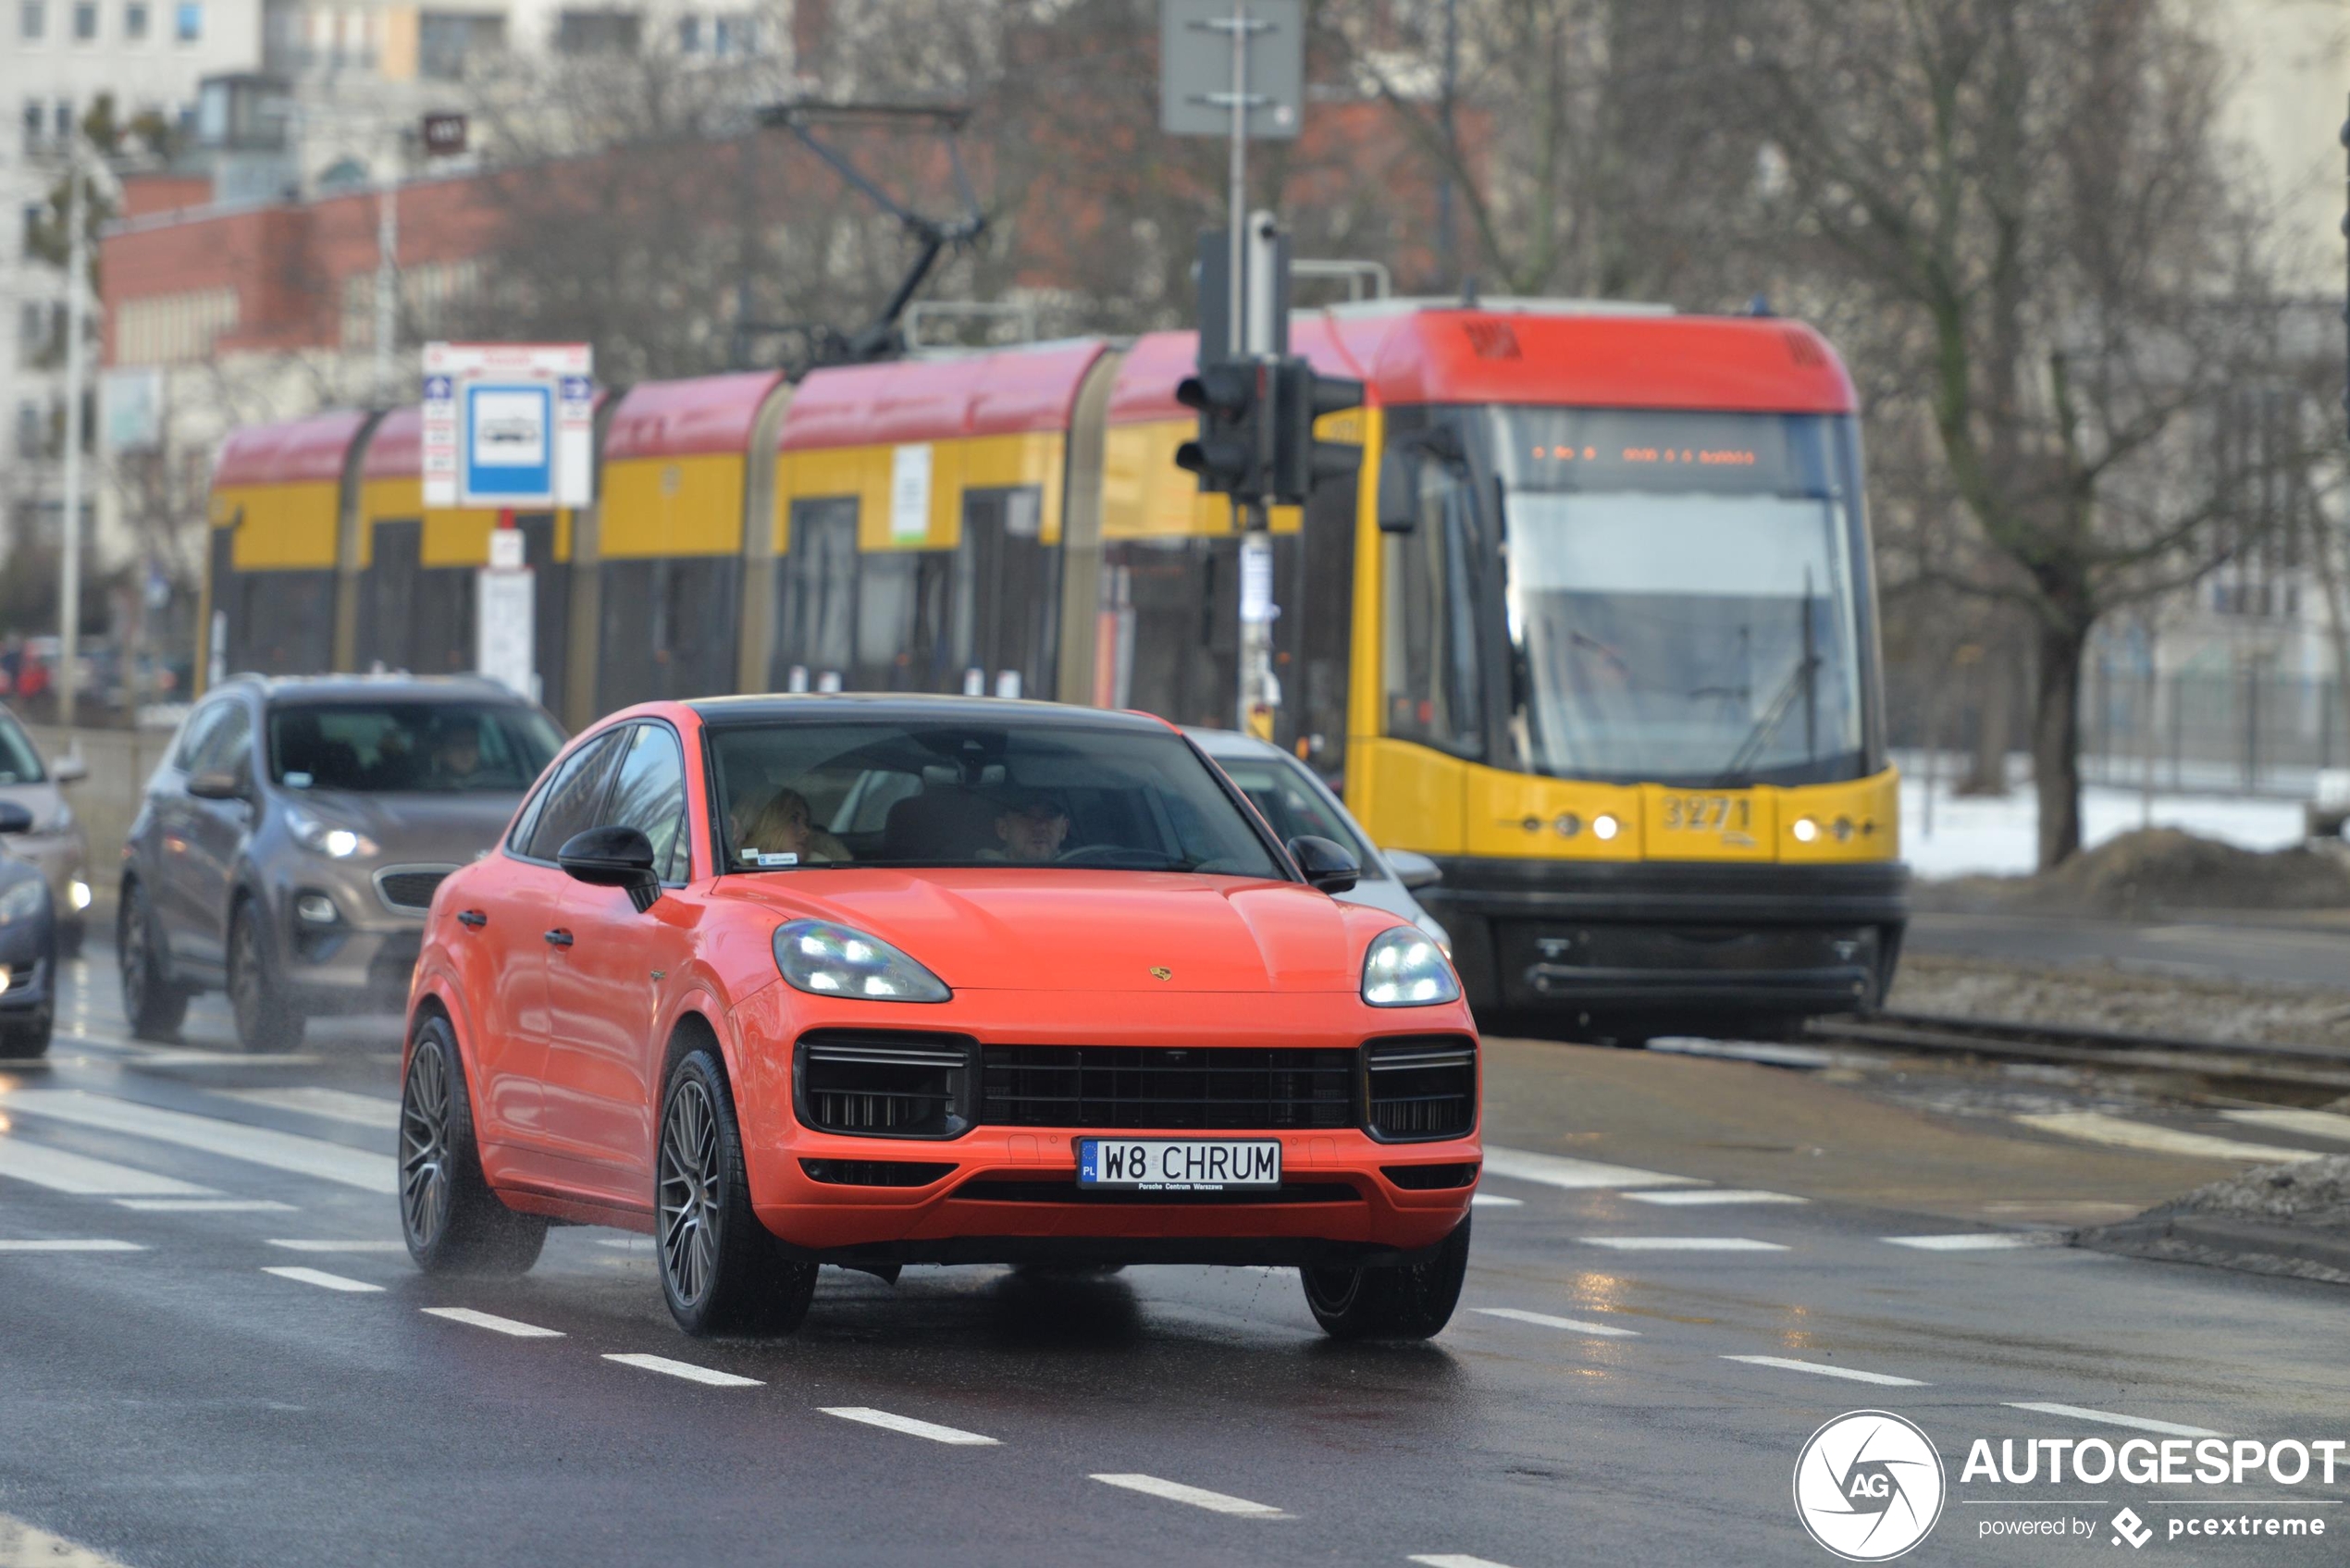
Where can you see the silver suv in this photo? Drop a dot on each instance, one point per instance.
(288, 848)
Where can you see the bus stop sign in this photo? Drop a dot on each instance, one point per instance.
(508, 424)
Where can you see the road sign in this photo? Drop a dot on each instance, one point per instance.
(508, 424)
(1196, 65)
(505, 627)
(444, 135)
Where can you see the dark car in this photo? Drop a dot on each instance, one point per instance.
(289, 845)
(27, 946)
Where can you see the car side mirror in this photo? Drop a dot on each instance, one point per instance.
(620, 857)
(68, 769)
(1399, 498)
(1326, 865)
(14, 818)
(216, 784)
(1413, 869)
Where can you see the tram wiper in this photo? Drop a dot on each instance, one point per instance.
(1798, 682)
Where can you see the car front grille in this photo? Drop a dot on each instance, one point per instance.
(881, 1083)
(1151, 1086)
(409, 889)
(1421, 1087)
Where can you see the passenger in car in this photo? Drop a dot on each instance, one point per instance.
(1032, 826)
(783, 826)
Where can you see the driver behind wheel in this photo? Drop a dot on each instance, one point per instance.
(1032, 826)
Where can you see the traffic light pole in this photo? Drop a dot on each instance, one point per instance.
(1260, 331)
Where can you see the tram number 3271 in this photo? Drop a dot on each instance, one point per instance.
(1708, 813)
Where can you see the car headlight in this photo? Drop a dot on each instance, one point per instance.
(325, 838)
(824, 959)
(1405, 968)
(22, 901)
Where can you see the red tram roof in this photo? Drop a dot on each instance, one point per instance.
(289, 452)
(710, 414)
(396, 450)
(1011, 392)
(1449, 354)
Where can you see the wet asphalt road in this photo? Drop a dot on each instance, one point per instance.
(178, 1404)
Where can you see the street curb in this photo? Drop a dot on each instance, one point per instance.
(2237, 1241)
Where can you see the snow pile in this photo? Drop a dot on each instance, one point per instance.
(2154, 872)
(2313, 1192)
(1999, 836)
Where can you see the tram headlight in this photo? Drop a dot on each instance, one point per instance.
(1805, 830)
(1604, 827)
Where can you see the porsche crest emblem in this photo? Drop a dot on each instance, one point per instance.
(1159, 972)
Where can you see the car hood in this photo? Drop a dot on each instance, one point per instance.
(444, 828)
(1065, 930)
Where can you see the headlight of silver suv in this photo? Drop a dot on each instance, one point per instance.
(22, 901)
(824, 959)
(325, 838)
(1404, 968)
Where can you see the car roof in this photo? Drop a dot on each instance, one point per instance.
(888, 706)
(292, 689)
(1232, 743)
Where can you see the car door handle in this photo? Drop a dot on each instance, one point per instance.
(472, 917)
(560, 937)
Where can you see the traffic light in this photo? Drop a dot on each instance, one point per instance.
(1229, 455)
(1301, 396)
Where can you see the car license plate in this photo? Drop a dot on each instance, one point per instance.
(1178, 1164)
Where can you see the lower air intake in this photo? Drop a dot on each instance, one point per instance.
(1421, 1088)
(878, 1084)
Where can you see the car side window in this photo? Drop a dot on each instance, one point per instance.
(650, 798)
(576, 798)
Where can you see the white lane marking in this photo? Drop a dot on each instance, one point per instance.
(1572, 1324)
(1702, 1197)
(2309, 1124)
(2096, 1127)
(1453, 1559)
(1682, 1244)
(332, 1246)
(336, 1105)
(61, 1171)
(207, 1205)
(1977, 1241)
(324, 1280)
(1850, 1373)
(1198, 1497)
(907, 1425)
(686, 1370)
(627, 1243)
(2112, 1418)
(70, 1245)
(21, 1546)
(1557, 1170)
(1494, 1201)
(494, 1322)
(257, 1145)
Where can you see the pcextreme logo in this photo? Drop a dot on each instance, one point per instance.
(1869, 1486)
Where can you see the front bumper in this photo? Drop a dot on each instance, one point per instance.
(1659, 946)
(32, 985)
(1010, 1194)
(349, 966)
(64, 860)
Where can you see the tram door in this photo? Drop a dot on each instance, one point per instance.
(816, 620)
(1008, 597)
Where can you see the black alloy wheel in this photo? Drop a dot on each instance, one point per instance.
(721, 1271)
(154, 1006)
(264, 1022)
(1411, 1301)
(452, 1221)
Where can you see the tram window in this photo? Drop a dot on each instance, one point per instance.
(1007, 593)
(281, 622)
(668, 629)
(1430, 660)
(902, 612)
(816, 598)
(1317, 625)
(1174, 606)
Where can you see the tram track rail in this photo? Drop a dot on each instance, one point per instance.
(2272, 1065)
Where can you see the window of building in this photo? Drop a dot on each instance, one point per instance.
(85, 21)
(188, 21)
(598, 32)
(32, 20)
(134, 22)
(33, 215)
(61, 119)
(32, 125)
(690, 36)
(445, 43)
(28, 428)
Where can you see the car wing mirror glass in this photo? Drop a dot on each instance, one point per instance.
(620, 857)
(216, 784)
(14, 818)
(1398, 499)
(68, 769)
(1325, 865)
(1413, 869)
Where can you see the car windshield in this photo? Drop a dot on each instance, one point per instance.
(19, 762)
(1292, 806)
(921, 793)
(1679, 596)
(383, 747)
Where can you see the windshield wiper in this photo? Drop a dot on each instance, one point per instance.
(1801, 681)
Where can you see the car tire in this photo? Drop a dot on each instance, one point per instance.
(154, 1005)
(23, 1041)
(721, 1270)
(265, 1022)
(452, 1221)
(1411, 1301)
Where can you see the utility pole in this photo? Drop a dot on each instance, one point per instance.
(387, 272)
(77, 308)
(1445, 242)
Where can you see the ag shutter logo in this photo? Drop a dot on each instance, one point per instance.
(1869, 1486)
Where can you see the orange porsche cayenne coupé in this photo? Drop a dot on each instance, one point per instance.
(880, 981)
